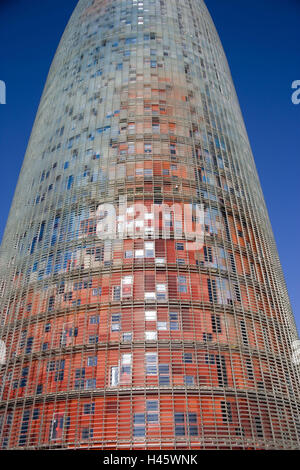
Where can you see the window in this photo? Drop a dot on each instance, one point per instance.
(189, 380)
(47, 327)
(222, 371)
(57, 426)
(249, 367)
(162, 326)
(207, 337)
(116, 292)
(150, 335)
(150, 315)
(212, 290)
(90, 384)
(208, 254)
(126, 368)
(92, 361)
(139, 428)
(182, 284)
(258, 427)
(127, 283)
(152, 411)
(89, 408)
(149, 249)
(29, 345)
(185, 423)
(187, 358)
(164, 374)
(60, 369)
(210, 359)
(97, 292)
(216, 323)
(93, 339)
(174, 323)
(179, 424)
(114, 376)
(179, 246)
(237, 293)
(139, 253)
(95, 320)
(24, 428)
(244, 333)
(115, 322)
(87, 433)
(226, 412)
(151, 363)
(127, 337)
(161, 291)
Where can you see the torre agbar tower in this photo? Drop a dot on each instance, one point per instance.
(143, 340)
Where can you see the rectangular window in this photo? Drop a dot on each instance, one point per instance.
(150, 315)
(151, 363)
(89, 408)
(216, 323)
(189, 380)
(90, 384)
(150, 335)
(208, 254)
(162, 326)
(116, 322)
(226, 412)
(207, 337)
(95, 320)
(117, 293)
(179, 424)
(161, 291)
(93, 339)
(212, 290)
(114, 376)
(249, 367)
(149, 250)
(258, 427)
(244, 333)
(182, 284)
(152, 412)
(164, 374)
(174, 323)
(222, 371)
(139, 429)
(92, 361)
(87, 433)
(187, 358)
(126, 368)
(127, 337)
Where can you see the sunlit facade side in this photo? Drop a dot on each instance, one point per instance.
(140, 342)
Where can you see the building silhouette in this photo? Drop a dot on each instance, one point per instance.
(129, 336)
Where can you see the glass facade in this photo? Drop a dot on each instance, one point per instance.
(139, 341)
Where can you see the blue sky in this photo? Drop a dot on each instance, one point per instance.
(262, 43)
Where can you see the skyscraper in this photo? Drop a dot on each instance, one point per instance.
(121, 330)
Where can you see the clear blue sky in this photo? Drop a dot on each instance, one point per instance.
(262, 42)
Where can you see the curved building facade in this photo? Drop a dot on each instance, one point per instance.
(143, 340)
